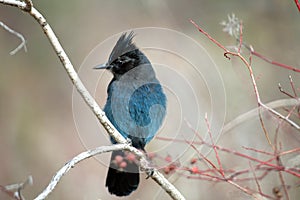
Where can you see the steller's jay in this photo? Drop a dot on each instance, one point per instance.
(136, 106)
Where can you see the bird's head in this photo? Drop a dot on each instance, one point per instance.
(124, 56)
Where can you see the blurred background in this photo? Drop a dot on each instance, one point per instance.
(38, 134)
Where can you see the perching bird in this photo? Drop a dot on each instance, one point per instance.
(136, 106)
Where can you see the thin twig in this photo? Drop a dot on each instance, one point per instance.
(280, 116)
(69, 165)
(19, 35)
(259, 102)
(243, 189)
(207, 35)
(283, 91)
(214, 147)
(255, 53)
(255, 178)
(253, 113)
(277, 150)
(15, 190)
(293, 86)
(266, 59)
(89, 100)
(241, 37)
(245, 156)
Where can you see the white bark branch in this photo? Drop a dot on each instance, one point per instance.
(161, 180)
(66, 168)
(19, 35)
(90, 101)
(15, 190)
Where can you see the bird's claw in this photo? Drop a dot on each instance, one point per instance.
(150, 173)
(128, 141)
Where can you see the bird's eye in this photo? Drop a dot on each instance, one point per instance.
(119, 61)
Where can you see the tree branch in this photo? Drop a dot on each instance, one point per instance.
(260, 103)
(14, 191)
(23, 41)
(66, 168)
(253, 113)
(89, 100)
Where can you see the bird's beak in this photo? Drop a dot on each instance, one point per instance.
(102, 66)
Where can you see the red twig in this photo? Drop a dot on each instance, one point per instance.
(209, 37)
(274, 62)
(202, 156)
(289, 151)
(261, 162)
(241, 37)
(258, 151)
(284, 92)
(248, 65)
(255, 177)
(261, 167)
(293, 86)
(214, 147)
(260, 104)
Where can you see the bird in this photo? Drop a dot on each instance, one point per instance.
(135, 105)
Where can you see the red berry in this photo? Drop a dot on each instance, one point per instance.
(151, 155)
(130, 157)
(172, 167)
(167, 170)
(194, 170)
(123, 164)
(194, 160)
(168, 158)
(118, 159)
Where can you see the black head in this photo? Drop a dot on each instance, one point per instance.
(124, 56)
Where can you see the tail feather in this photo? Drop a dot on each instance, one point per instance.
(122, 182)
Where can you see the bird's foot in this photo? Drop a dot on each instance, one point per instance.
(149, 172)
(128, 141)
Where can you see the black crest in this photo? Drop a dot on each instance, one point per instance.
(123, 45)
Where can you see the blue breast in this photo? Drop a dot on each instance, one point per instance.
(136, 111)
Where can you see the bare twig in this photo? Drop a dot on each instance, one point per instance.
(15, 190)
(233, 176)
(90, 101)
(160, 179)
(272, 62)
(293, 86)
(259, 102)
(253, 113)
(82, 156)
(23, 41)
(241, 37)
(255, 178)
(247, 157)
(207, 35)
(234, 28)
(214, 147)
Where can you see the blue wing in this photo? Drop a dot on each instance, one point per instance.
(139, 116)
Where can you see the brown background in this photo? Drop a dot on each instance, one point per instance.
(37, 131)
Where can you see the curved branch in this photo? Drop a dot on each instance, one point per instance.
(89, 100)
(227, 54)
(19, 35)
(82, 156)
(253, 113)
(297, 4)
